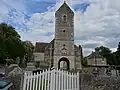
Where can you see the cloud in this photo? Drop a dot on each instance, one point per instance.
(41, 24)
(97, 22)
(13, 13)
(90, 45)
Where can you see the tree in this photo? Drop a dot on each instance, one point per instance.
(117, 55)
(112, 58)
(106, 53)
(28, 50)
(118, 49)
(10, 44)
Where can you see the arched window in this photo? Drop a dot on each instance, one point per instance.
(64, 18)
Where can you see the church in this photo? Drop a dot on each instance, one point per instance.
(61, 52)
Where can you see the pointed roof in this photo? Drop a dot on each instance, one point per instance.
(94, 55)
(64, 6)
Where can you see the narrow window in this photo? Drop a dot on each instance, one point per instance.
(65, 18)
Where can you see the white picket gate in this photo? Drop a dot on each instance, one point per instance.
(51, 80)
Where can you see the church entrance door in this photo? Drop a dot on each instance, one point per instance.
(64, 62)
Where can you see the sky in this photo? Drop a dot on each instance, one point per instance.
(97, 22)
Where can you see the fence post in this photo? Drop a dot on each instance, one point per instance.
(59, 73)
(34, 80)
(51, 81)
(37, 81)
(71, 81)
(75, 79)
(56, 83)
(62, 81)
(78, 81)
(24, 83)
(40, 81)
(48, 88)
(31, 81)
(43, 80)
(67, 78)
(53, 88)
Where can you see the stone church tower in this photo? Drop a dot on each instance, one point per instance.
(64, 37)
(61, 52)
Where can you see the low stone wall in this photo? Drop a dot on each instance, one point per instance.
(93, 82)
(16, 80)
(14, 74)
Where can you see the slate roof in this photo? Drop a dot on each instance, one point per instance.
(94, 55)
(40, 46)
(49, 44)
(65, 6)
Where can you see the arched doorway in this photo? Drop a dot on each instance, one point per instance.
(66, 61)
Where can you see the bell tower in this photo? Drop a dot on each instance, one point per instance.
(64, 23)
(64, 36)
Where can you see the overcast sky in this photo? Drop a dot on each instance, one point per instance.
(97, 22)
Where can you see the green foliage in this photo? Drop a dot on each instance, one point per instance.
(112, 58)
(116, 58)
(104, 51)
(28, 50)
(11, 46)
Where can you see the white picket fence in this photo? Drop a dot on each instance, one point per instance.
(51, 80)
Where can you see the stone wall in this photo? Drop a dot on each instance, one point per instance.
(14, 74)
(92, 82)
(38, 56)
